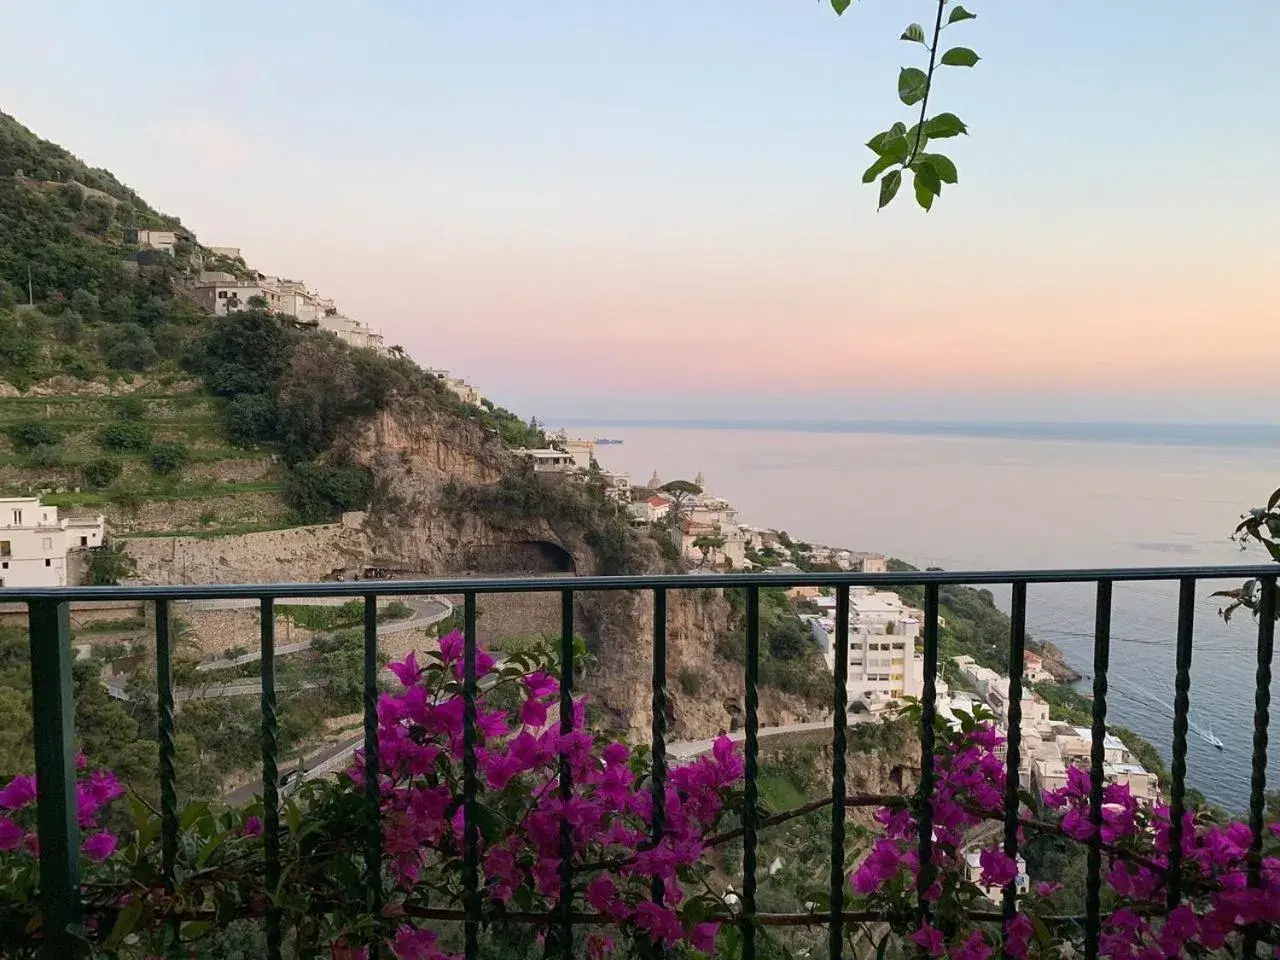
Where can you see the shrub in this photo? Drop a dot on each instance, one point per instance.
(317, 492)
(250, 419)
(46, 455)
(102, 472)
(131, 349)
(168, 458)
(131, 407)
(690, 681)
(109, 564)
(33, 433)
(125, 435)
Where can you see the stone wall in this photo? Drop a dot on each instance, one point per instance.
(299, 554)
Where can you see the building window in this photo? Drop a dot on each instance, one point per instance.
(84, 541)
(46, 543)
(222, 294)
(5, 548)
(17, 518)
(48, 563)
(4, 565)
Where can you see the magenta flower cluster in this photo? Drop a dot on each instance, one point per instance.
(1219, 901)
(94, 791)
(519, 750)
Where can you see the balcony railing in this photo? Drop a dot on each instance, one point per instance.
(54, 712)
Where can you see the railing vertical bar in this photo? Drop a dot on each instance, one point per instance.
(1181, 706)
(471, 826)
(372, 793)
(53, 711)
(839, 721)
(750, 813)
(1013, 744)
(168, 770)
(1261, 721)
(658, 721)
(270, 773)
(566, 775)
(1097, 754)
(928, 715)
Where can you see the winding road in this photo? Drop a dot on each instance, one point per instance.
(426, 611)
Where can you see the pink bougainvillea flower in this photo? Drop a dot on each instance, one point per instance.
(929, 940)
(18, 793)
(98, 846)
(451, 645)
(10, 835)
(703, 937)
(998, 869)
(406, 671)
(1047, 889)
(974, 948)
(252, 827)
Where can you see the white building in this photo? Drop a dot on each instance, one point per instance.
(650, 510)
(582, 451)
(459, 387)
(165, 240)
(355, 333)
(883, 663)
(34, 543)
(549, 461)
(229, 253)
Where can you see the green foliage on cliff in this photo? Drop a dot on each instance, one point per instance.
(789, 658)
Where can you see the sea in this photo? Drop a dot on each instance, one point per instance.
(987, 496)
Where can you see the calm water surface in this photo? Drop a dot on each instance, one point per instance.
(987, 501)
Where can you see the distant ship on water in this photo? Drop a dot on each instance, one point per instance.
(606, 440)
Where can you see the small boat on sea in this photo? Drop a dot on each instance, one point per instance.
(606, 440)
(1207, 735)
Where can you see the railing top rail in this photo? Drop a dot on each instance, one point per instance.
(531, 584)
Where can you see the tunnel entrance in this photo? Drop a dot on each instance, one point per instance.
(520, 557)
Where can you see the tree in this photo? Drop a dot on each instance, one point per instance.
(29, 434)
(109, 564)
(168, 458)
(707, 544)
(681, 493)
(131, 407)
(101, 472)
(125, 435)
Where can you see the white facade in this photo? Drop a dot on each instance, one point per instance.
(973, 871)
(34, 543)
(883, 663)
(582, 451)
(651, 510)
(350, 331)
(459, 387)
(164, 240)
(549, 461)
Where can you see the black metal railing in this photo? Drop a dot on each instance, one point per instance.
(54, 712)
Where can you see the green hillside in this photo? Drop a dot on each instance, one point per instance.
(119, 394)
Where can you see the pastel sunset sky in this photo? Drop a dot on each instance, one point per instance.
(593, 207)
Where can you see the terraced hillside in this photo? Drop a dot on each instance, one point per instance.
(176, 474)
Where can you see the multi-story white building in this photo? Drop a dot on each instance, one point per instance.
(883, 663)
(459, 387)
(549, 461)
(34, 543)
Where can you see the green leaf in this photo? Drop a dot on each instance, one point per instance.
(880, 166)
(912, 85)
(891, 144)
(942, 166)
(917, 140)
(925, 195)
(928, 176)
(945, 125)
(1273, 500)
(1273, 548)
(959, 13)
(840, 6)
(889, 185)
(959, 57)
(126, 922)
(913, 34)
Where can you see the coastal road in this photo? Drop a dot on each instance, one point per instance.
(335, 756)
(426, 612)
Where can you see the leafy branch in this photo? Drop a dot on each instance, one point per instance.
(899, 149)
